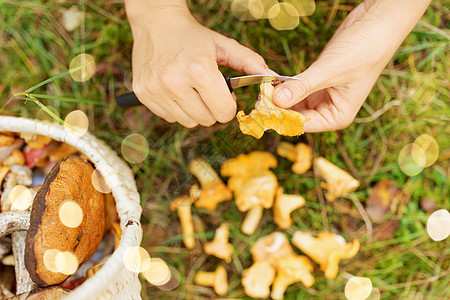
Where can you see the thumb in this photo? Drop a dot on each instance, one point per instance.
(292, 92)
(232, 54)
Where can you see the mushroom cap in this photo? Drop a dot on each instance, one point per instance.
(270, 247)
(52, 292)
(244, 164)
(257, 279)
(283, 206)
(213, 190)
(258, 189)
(219, 246)
(269, 116)
(220, 281)
(326, 250)
(338, 182)
(291, 269)
(69, 180)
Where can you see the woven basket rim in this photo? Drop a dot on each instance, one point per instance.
(119, 178)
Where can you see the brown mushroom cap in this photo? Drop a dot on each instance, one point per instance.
(69, 180)
(53, 292)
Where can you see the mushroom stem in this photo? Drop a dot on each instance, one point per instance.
(5, 246)
(205, 278)
(252, 219)
(12, 221)
(187, 227)
(24, 282)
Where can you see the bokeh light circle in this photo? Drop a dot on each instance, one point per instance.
(173, 282)
(303, 7)
(438, 225)
(50, 259)
(20, 198)
(135, 148)
(256, 8)
(240, 10)
(158, 273)
(283, 16)
(66, 262)
(358, 288)
(44, 116)
(430, 148)
(82, 67)
(408, 164)
(70, 214)
(374, 295)
(99, 183)
(136, 259)
(78, 123)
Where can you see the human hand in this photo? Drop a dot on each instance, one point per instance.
(175, 65)
(332, 90)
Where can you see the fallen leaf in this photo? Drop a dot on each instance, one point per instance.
(384, 197)
(386, 230)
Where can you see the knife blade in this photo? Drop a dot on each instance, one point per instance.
(130, 99)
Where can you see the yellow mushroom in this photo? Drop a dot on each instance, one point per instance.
(213, 190)
(257, 279)
(16, 158)
(216, 279)
(269, 116)
(291, 269)
(300, 154)
(338, 182)
(35, 141)
(219, 246)
(326, 250)
(253, 195)
(283, 206)
(243, 164)
(183, 207)
(270, 247)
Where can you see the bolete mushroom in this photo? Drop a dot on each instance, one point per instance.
(291, 269)
(217, 279)
(283, 206)
(338, 182)
(219, 246)
(67, 222)
(252, 195)
(326, 250)
(271, 247)
(300, 154)
(213, 190)
(257, 279)
(269, 116)
(243, 164)
(182, 205)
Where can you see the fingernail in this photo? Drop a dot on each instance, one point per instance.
(283, 96)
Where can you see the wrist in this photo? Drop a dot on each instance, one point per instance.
(145, 11)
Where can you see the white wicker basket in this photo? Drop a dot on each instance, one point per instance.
(113, 280)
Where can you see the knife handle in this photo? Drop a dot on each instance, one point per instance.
(130, 99)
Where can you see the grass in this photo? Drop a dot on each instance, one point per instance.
(410, 98)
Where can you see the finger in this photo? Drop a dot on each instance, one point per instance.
(232, 54)
(209, 83)
(160, 112)
(293, 91)
(193, 105)
(180, 115)
(322, 122)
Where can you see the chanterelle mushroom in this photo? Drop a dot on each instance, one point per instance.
(271, 247)
(216, 279)
(269, 116)
(213, 190)
(326, 250)
(283, 206)
(300, 154)
(219, 246)
(291, 269)
(183, 207)
(67, 218)
(257, 279)
(243, 164)
(338, 182)
(252, 195)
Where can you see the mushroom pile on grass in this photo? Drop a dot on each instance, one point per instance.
(254, 187)
(52, 218)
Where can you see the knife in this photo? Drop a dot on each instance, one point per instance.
(130, 99)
